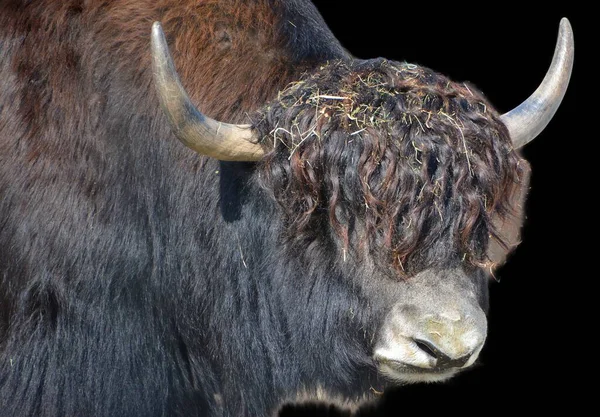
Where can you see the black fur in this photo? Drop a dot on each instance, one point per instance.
(137, 278)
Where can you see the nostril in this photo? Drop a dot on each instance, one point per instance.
(443, 361)
(427, 348)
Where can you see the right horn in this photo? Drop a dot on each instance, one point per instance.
(528, 120)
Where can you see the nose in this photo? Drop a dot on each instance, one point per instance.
(431, 343)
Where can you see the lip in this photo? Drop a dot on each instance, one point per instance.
(407, 373)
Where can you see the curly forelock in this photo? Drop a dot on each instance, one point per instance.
(392, 158)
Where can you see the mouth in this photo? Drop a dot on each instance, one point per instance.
(405, 373)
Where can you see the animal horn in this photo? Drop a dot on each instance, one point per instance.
(528, 120)
(224, 141)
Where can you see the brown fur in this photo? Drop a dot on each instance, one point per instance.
(216, 40)
(76, 68)
(396, 154)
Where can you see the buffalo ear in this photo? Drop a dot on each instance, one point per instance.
(509, 228)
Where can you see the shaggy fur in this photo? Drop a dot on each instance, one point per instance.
(395, 153)
(139, 279)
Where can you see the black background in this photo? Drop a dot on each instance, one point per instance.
(536, 351)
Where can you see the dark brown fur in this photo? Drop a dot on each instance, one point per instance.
(416, 157)
(230, 54)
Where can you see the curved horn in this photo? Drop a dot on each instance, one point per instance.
(528, 120)
(206, 136)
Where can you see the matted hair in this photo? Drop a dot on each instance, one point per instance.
(392, 157)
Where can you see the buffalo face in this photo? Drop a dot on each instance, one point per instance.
(408, 182)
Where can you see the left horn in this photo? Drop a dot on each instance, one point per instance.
(224, 141)
(528, 120)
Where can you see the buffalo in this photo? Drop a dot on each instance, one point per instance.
(330, 227)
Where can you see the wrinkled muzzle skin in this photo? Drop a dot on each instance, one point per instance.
(436, 329)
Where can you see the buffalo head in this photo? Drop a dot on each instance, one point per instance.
(411, 183)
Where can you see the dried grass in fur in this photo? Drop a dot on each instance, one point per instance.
(392, 157)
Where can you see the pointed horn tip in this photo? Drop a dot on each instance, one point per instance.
(158, 36)
(565, 31)
(565, 24)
